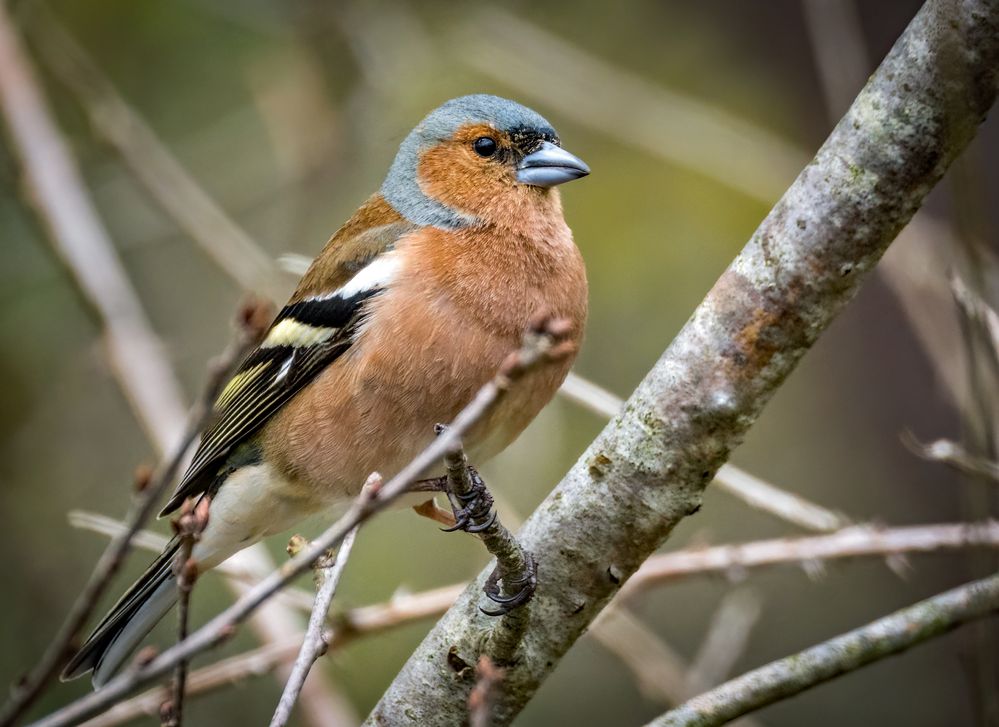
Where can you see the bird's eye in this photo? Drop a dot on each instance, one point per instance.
(484, 146)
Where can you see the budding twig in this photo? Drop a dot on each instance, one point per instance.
(189, 525)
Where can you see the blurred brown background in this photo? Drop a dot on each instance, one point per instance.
(289, 114)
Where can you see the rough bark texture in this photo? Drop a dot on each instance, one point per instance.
(647, 470)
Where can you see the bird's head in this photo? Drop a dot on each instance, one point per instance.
(479, 159)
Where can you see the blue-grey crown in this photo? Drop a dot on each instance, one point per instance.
(401, 188)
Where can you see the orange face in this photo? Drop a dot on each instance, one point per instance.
(475, 171)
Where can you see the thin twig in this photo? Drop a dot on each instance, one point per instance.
(400, 610)
(81, 240)
(661, 122)
(405, 608)
(853, 542)
(539, 346)
(725, 640)
(881, 638)
(488, 678)
(255, 662)
(755, 492)
(731, 560)
(329, 569)
(189, 525)
(151, 162)
(955, 455)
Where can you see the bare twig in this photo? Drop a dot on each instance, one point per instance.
(755, 492)
(886, 636)
(664, 123)
(145, 502)
(189, 525)
(853, 542)
(725, 640)
(256, 662)
(400, 610)
(152, 163)
(539, 345)
(618, 628)
(488, 678)
(731, 560)
(329, 569)
(955, 455)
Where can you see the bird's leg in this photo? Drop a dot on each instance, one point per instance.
(471, 505)
(514, 580)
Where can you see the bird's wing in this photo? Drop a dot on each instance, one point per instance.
(311, 332)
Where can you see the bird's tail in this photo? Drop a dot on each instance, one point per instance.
(134, 616)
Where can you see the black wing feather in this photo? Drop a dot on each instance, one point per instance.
(266, 380)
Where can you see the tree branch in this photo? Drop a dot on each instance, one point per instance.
(878, 639)
(753, 491)
(189, 525)
(647, 470)
(317, 638)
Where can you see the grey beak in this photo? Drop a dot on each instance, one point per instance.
(550, 165)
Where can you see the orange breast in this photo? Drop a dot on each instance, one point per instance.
(431, 341)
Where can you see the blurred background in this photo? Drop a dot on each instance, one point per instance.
(694, 118)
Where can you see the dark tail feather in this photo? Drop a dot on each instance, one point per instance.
(128, 622)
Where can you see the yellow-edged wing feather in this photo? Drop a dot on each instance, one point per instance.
(309, 333)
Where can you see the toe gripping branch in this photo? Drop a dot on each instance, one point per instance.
(515, 578)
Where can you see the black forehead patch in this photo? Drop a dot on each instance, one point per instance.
(529, 138)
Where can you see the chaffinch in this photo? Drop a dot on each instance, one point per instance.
(409, 309)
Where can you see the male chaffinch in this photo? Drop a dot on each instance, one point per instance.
(409, 309)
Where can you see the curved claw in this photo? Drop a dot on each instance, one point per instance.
(507, 600)
(506, 605)
(482, 526)
(498, 612)
(529, 581)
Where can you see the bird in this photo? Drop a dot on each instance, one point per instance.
(412, 305)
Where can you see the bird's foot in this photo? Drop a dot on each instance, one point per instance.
(473, 509)
(525, 583)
